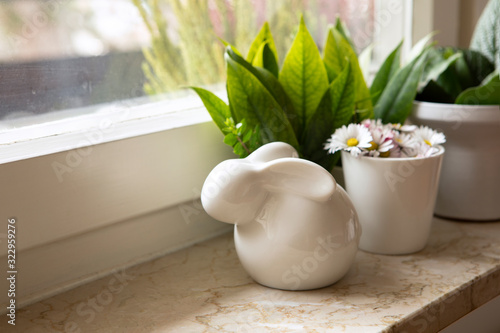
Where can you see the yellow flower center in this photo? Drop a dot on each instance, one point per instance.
(428, 142)
(373, 146)
(352, 142)
(385, 154)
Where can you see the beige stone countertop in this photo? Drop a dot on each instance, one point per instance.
(205, 289)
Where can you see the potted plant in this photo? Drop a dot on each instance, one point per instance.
(391, 174)
(460, 94)
(303, 101)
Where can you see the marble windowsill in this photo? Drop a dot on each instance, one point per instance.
(204, 289)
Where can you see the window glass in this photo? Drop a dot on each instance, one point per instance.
(70, 54)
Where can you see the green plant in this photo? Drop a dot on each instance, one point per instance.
(304, 101)
(466, 76)
(459, 76)
(486, 38)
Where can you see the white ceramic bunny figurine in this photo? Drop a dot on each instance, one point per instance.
(295, 228)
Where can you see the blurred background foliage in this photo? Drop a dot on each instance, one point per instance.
(185, 46)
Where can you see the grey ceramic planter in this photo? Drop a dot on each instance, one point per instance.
(469, 188)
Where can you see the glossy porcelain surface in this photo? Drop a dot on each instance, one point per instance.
(394, 198)
(470, 182)
(295, 228)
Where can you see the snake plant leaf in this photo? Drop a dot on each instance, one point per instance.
(450, 83)
(486, 37)
(479, 66)
(303, 75)
(488, 93)
(335, 110)
(218, 110)
(263, 37)
(265, 58)
(250, 100)
(433, 92)
(450, 71)
(419, 47)
(395, 103)
(273, 86)
(440, 68)
(229, 45)
(333, 55)
(344, 31)
(336, 55)
(276, 89)
(463, 73)
(386, 72)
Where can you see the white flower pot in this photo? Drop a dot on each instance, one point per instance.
(394, 198)
(470, 183)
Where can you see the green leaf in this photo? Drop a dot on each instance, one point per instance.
(420, 47)
(479, 66)
(390, 66)
(218, 110)
(434, 93)
(488, 93)
(229, 45)
(279, 94)
(463, 73)
(342, 92)
(335, 109)
(263, 37)
(274, 87)
(303, 75)
(438, 63)
(449, 71)
(486, 37)
(254, 142)
(396, 102)
(449, 82)
(239, 150)
(342, 28)
(250, 100)
(230, 139)
(333, 54)
(265, 59)
(337, 54)
(246, 136)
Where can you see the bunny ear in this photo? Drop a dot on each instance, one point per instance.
(300, 177)
(272, 151)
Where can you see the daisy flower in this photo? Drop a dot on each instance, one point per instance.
(351, 138)
(424, 150)
(382, 141)
(404, 128)
(373, 124)
(429, 136)
(375, 139)
(407, 143)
